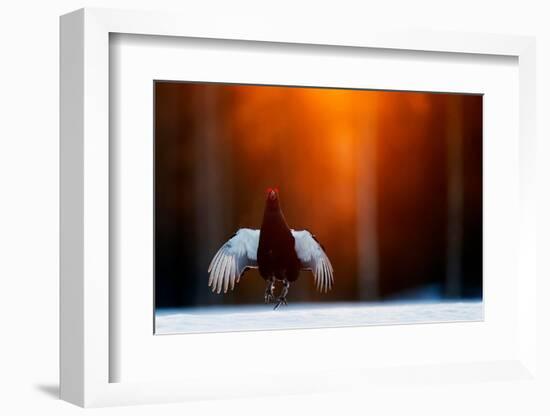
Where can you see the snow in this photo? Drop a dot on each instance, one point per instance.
(312, 315)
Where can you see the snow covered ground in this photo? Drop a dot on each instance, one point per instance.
(312, 315)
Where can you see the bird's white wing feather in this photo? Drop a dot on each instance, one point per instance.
(232, 259)
(313, 257)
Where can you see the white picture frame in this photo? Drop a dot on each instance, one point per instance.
(85, 353)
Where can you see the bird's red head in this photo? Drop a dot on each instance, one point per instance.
(272, 193)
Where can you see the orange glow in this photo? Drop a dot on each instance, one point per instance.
(318, 146)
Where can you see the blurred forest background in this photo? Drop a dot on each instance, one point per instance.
(389, 182)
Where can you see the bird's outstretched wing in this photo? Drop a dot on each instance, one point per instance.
(232, 259)
(313, 257)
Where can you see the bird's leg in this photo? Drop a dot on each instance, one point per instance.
(269, 291)
(282, 297)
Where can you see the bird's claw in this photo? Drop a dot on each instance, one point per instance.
(280, 301)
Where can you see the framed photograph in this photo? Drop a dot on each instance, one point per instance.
(230, 202)
(377, 176)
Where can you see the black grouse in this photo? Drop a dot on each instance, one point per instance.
(276, 250)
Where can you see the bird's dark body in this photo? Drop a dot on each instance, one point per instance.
(277, 258)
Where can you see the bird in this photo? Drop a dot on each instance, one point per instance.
(277, 251)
